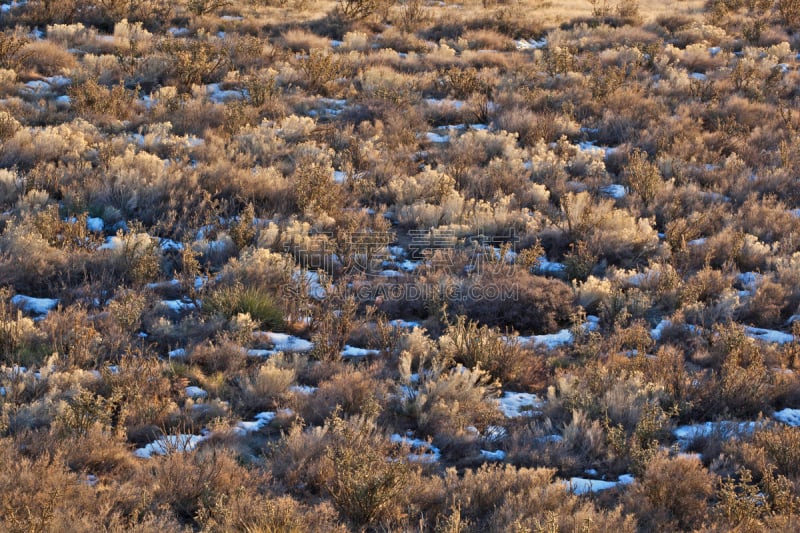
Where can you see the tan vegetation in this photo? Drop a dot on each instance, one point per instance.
(360, 265)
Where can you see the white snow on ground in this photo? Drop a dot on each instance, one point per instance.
(516, 404)
(560, 338)
(284, 342)
(409, 266)
(686, 434)
(404, 324)
(615, 191)
(112, 243)
(221, 96)
(553, 340)
(656, 331)
(590, 148)
(170, 245)
(580, 485)
(352, 351)
(425, 452)
(95, 224)
(698, 76)
(457, 104)
(390, 274)
(5, 8)
(549, 438)
(315, 288)
(262, 419)
(550, 267)
(498, 455)
(697, 242)
(169, 444)
(177, 353)
(195, 392)
(339, 176)
(495, 433)
(530, 44)
(303, 389)
(769, 335)
(38, 306)
(750, 280)
(436, 138)
(790, 417)
(177, 305)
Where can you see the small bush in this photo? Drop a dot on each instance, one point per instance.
(238, 299)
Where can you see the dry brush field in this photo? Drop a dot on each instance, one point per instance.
(298, 265)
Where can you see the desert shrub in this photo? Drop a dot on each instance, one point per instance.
(501, 498)
(92, 99)
(522, 301)
(365, 486)
(609, 232)
(443, 402)
(134, 257)
(355, 10)
(658, 499)
(189, 481)
(243, 511)
(238, 299)
(194, 62)
(263, 389)
(746, 504)
(776, 446)
(320, 70)
(221, 356)
(46, 58)
(789, 11)
(477, 346)
(29, 263)
(315, 193)
(643, 176)
(765, 307)
(259, 268)
(746, 385)
(73, 337)
(352, 392)
(203, 7)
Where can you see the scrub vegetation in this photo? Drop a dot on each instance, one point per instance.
(303, 265)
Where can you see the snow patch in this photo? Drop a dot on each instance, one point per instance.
(516, 404)
(530, 44)
(498, 455)
(436, 138)
(95, 224)
(352, 351)
(769, 335)
(284, 342)
(615, 191)
(169, 444)
(38, 306)
(303, 389)
(580, 485)
(424, 452)
(686, 434)
(195, 392)
(261, 419)
(790, 417)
